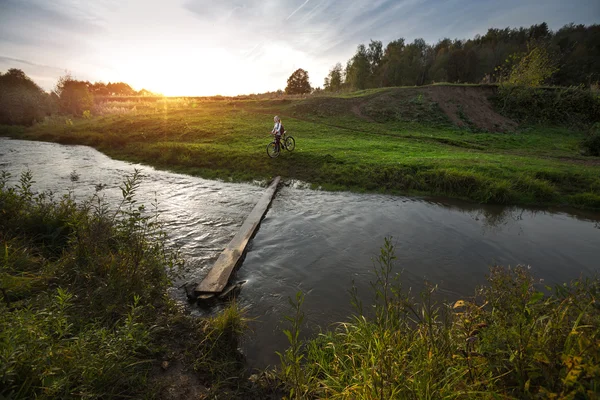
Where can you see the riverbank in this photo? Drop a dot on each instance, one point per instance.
(399, 141)
(85, 311)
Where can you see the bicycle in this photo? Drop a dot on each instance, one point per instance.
(287, 142)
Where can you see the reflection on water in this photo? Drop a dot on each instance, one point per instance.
(319, 242)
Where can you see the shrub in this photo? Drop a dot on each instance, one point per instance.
(79, 283)
(574, 105)
(591, 144)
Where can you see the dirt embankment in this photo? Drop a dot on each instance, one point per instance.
(469, 106)
(463, 106)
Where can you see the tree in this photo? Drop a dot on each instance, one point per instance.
(358, 71)
(391, 67)
(120, 89)
(334, 81)
(461, 66)
(99, 89)
(74, 96)
(22, 102)
(533, 69)
(298, 83)
(375, 55)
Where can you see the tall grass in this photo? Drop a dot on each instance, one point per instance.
(514, 338)
(79, 284)
(84, 311)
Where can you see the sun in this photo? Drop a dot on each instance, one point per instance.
(205, 73)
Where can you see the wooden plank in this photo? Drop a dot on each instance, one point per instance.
(218, 276)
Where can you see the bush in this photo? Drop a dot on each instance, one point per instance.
(568, 106)
(79, 284)
(591, 144)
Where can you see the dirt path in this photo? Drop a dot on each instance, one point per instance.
(466, 106)
(359, 114)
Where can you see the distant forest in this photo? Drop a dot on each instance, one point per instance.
(570, 56)
(523, 57)
(23, 102)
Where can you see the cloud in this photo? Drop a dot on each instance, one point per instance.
(297, 9)
(143, 39)
(18, 61)
(40, 14)
(43, 75)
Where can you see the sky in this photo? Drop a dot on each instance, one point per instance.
(229, 47)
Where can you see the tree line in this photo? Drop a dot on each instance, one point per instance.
(567, 57)
(23, 102)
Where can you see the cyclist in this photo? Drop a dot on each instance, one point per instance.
(278, 130)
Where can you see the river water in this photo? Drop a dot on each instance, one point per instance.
(319, 242)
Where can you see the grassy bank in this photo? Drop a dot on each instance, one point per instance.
(515, 339)
(84, 311)
(387, 140)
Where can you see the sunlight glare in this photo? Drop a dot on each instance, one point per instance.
(205, 72)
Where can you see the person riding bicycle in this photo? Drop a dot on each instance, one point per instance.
(278, 130)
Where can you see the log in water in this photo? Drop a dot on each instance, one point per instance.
(218, 276)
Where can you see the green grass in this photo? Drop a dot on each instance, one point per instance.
(397, 142)
(515, 339)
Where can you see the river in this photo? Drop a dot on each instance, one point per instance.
(319, 242)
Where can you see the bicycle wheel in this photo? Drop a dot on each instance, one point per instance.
(272, 150)
(290, 143)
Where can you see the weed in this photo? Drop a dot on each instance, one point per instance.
(84, 310)
(510, 340)
(292, 368)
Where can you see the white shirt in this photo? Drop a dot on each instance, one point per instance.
(277, 128)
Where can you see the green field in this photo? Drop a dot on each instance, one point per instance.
(395, 140)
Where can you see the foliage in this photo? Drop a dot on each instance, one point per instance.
(84, 311)
(532, 68)
(568, 106)
(510, 340)
(291, 360)
(22, 102)
(358, 69)
(298, 83)
(335, 79)
(74, 97)
(569, 56)
(591, 144)
(79, 283)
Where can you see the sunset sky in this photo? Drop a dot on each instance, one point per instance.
(208, 47)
